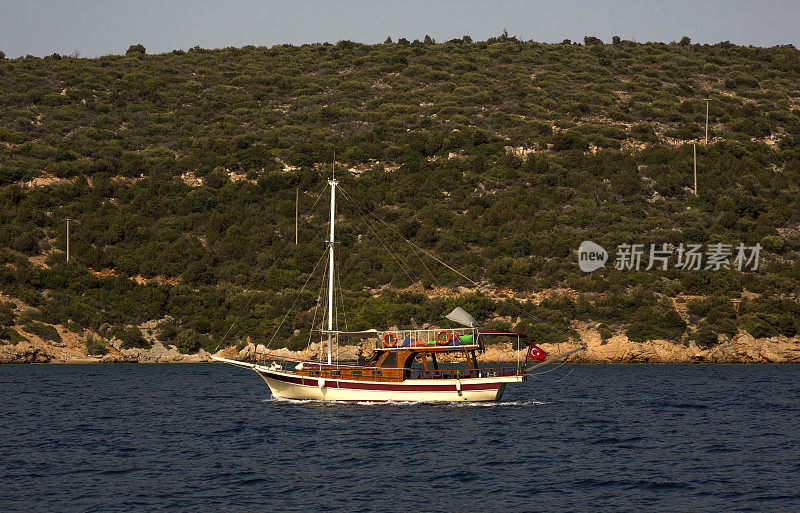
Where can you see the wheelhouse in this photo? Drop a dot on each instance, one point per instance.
(400, 355)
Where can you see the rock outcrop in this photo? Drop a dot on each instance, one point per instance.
(24, 353)
(252, 352)
(158, 353)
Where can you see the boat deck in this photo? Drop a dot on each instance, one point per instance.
(391, 374)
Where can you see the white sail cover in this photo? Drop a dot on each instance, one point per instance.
(362, 332)
(461, 316)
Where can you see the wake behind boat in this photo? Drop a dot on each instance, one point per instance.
(404, 365)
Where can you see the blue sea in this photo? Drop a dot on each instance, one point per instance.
(208, 437)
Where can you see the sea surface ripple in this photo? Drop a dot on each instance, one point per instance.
(124, 438)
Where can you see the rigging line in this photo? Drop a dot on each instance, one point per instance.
(318, 198)
(430, 255)
(558, 366)
(324, 306)
(264, 279)
(557, 380)
(402, 265)
(391, 254)
(558, 357)
(369, 224)
(319, 300)
(335, 314)
(433, 276)
(341, 296)
(425, 251)
(250, 300)
(397, 258)
(269, 345)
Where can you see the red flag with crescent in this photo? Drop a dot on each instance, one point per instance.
(536, 353)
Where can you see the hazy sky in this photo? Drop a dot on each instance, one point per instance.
(93, 27)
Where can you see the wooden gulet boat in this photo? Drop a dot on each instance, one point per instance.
(399, 371)
(404, 364)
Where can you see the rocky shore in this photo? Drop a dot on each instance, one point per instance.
(742, 348)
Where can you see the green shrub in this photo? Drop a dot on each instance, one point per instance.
(657, 322)
(190, 341)
(43, 331)
(758, 325)
(605, 332)
(705, 337)
(131, 337)
(7, 313)
(11, 336)
(166, 330)
(136, 50)
(95, 347)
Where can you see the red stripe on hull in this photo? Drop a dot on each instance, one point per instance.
(332, 383)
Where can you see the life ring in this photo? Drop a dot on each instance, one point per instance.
(444, 340)
(389, 339)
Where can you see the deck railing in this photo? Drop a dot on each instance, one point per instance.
(393, 374)
(427, 338)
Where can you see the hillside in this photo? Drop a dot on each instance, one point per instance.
(500, 156)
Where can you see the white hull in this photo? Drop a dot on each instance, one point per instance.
(290, 386)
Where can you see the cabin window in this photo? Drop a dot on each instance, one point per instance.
(336, 373)
(390, 360)
(377, 373)
(356, 373)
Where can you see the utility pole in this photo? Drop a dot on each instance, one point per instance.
(68, 220)
(296, 212)
(694, 151)
(706, 100)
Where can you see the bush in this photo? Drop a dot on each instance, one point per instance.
(11, 336)
(43, 331)
(654, 323)
(135, 50)
(131, 337)
(217, 178)
(564, 141)
(759, 326)
(167, 330)
(605, 332)
(6, 313)
(705, 337)
(190, 341)
(95, 347)
(74, 327)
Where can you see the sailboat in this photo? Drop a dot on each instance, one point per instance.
(404, 364)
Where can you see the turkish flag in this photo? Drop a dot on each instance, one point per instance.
(536, 353)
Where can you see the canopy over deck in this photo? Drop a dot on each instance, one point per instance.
(501, 333)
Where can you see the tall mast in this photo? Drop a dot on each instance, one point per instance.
(333, 184)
